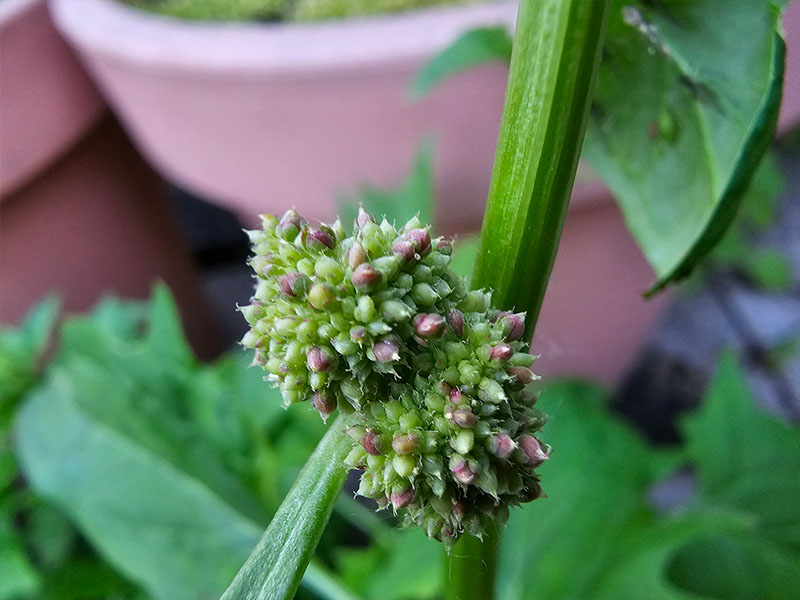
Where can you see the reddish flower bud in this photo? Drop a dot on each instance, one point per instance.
(456, 321)
(513, 323)
(404, 250)
(401, 499)
(457, 396)
(386, 351)
(532, 450)
(363, 218)
(358, 333)
(444, 246)
(459, 509)
(365, 277)
(462, 471)
(501, 352)
(319, 359)
(501, 445)
(533, 491)
(324, 402)
(420, 238)
(319, 239)
(521, 375)
(445, 389)
(293, 285)
(405, 444)
(290, 225)
(356, 256)
(370, 443)
(429, 325)
(463, 417)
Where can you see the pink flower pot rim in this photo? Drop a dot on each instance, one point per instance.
(110, 28)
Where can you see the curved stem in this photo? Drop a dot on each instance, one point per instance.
(555, 56)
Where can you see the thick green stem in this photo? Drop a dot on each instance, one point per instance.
(555, 56)
(553, 64)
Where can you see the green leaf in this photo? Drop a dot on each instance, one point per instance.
(155, 522)
(556, 51)
(596, 481)
(470, 49)
(414, 196)
(736, 567)
(747, 461)
(275, 567)
(685, 105)
(18, 577)
(399, 564)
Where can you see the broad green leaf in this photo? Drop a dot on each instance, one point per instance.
(735, 567)
(685, 105)
(414, 196)
(153, 521)
(275, 567)
(746, 460)
(472, 48)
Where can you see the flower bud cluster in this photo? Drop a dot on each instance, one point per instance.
(458, 447)
(333, 315)
(377, 324)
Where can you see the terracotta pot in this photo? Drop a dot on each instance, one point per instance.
(48, 102)
(82, 215)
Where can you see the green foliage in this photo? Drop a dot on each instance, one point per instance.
(472, 48)
(686, 102)
(169, 468)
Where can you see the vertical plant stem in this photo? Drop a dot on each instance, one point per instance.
(553, 63)
(555, 57)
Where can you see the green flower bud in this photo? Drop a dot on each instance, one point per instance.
(294, 285)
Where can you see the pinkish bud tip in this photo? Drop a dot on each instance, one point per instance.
(420, 239)
(363, 218)
(457, 396)
(318, 360)
(365, 277)
(318, 239)
(324, 403)
(514, 324)
(429, 325)
(522, 375)
(386, 351)
(293, 285)
(405, 444)
(290, 224)
(532, 450)
(501, 445)
(463, 417)
(463, 473)
(501, 352)
(370, 443)
(456, 321)
(402, 499)
(404, 250)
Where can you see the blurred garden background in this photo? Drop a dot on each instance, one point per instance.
(140, 457)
